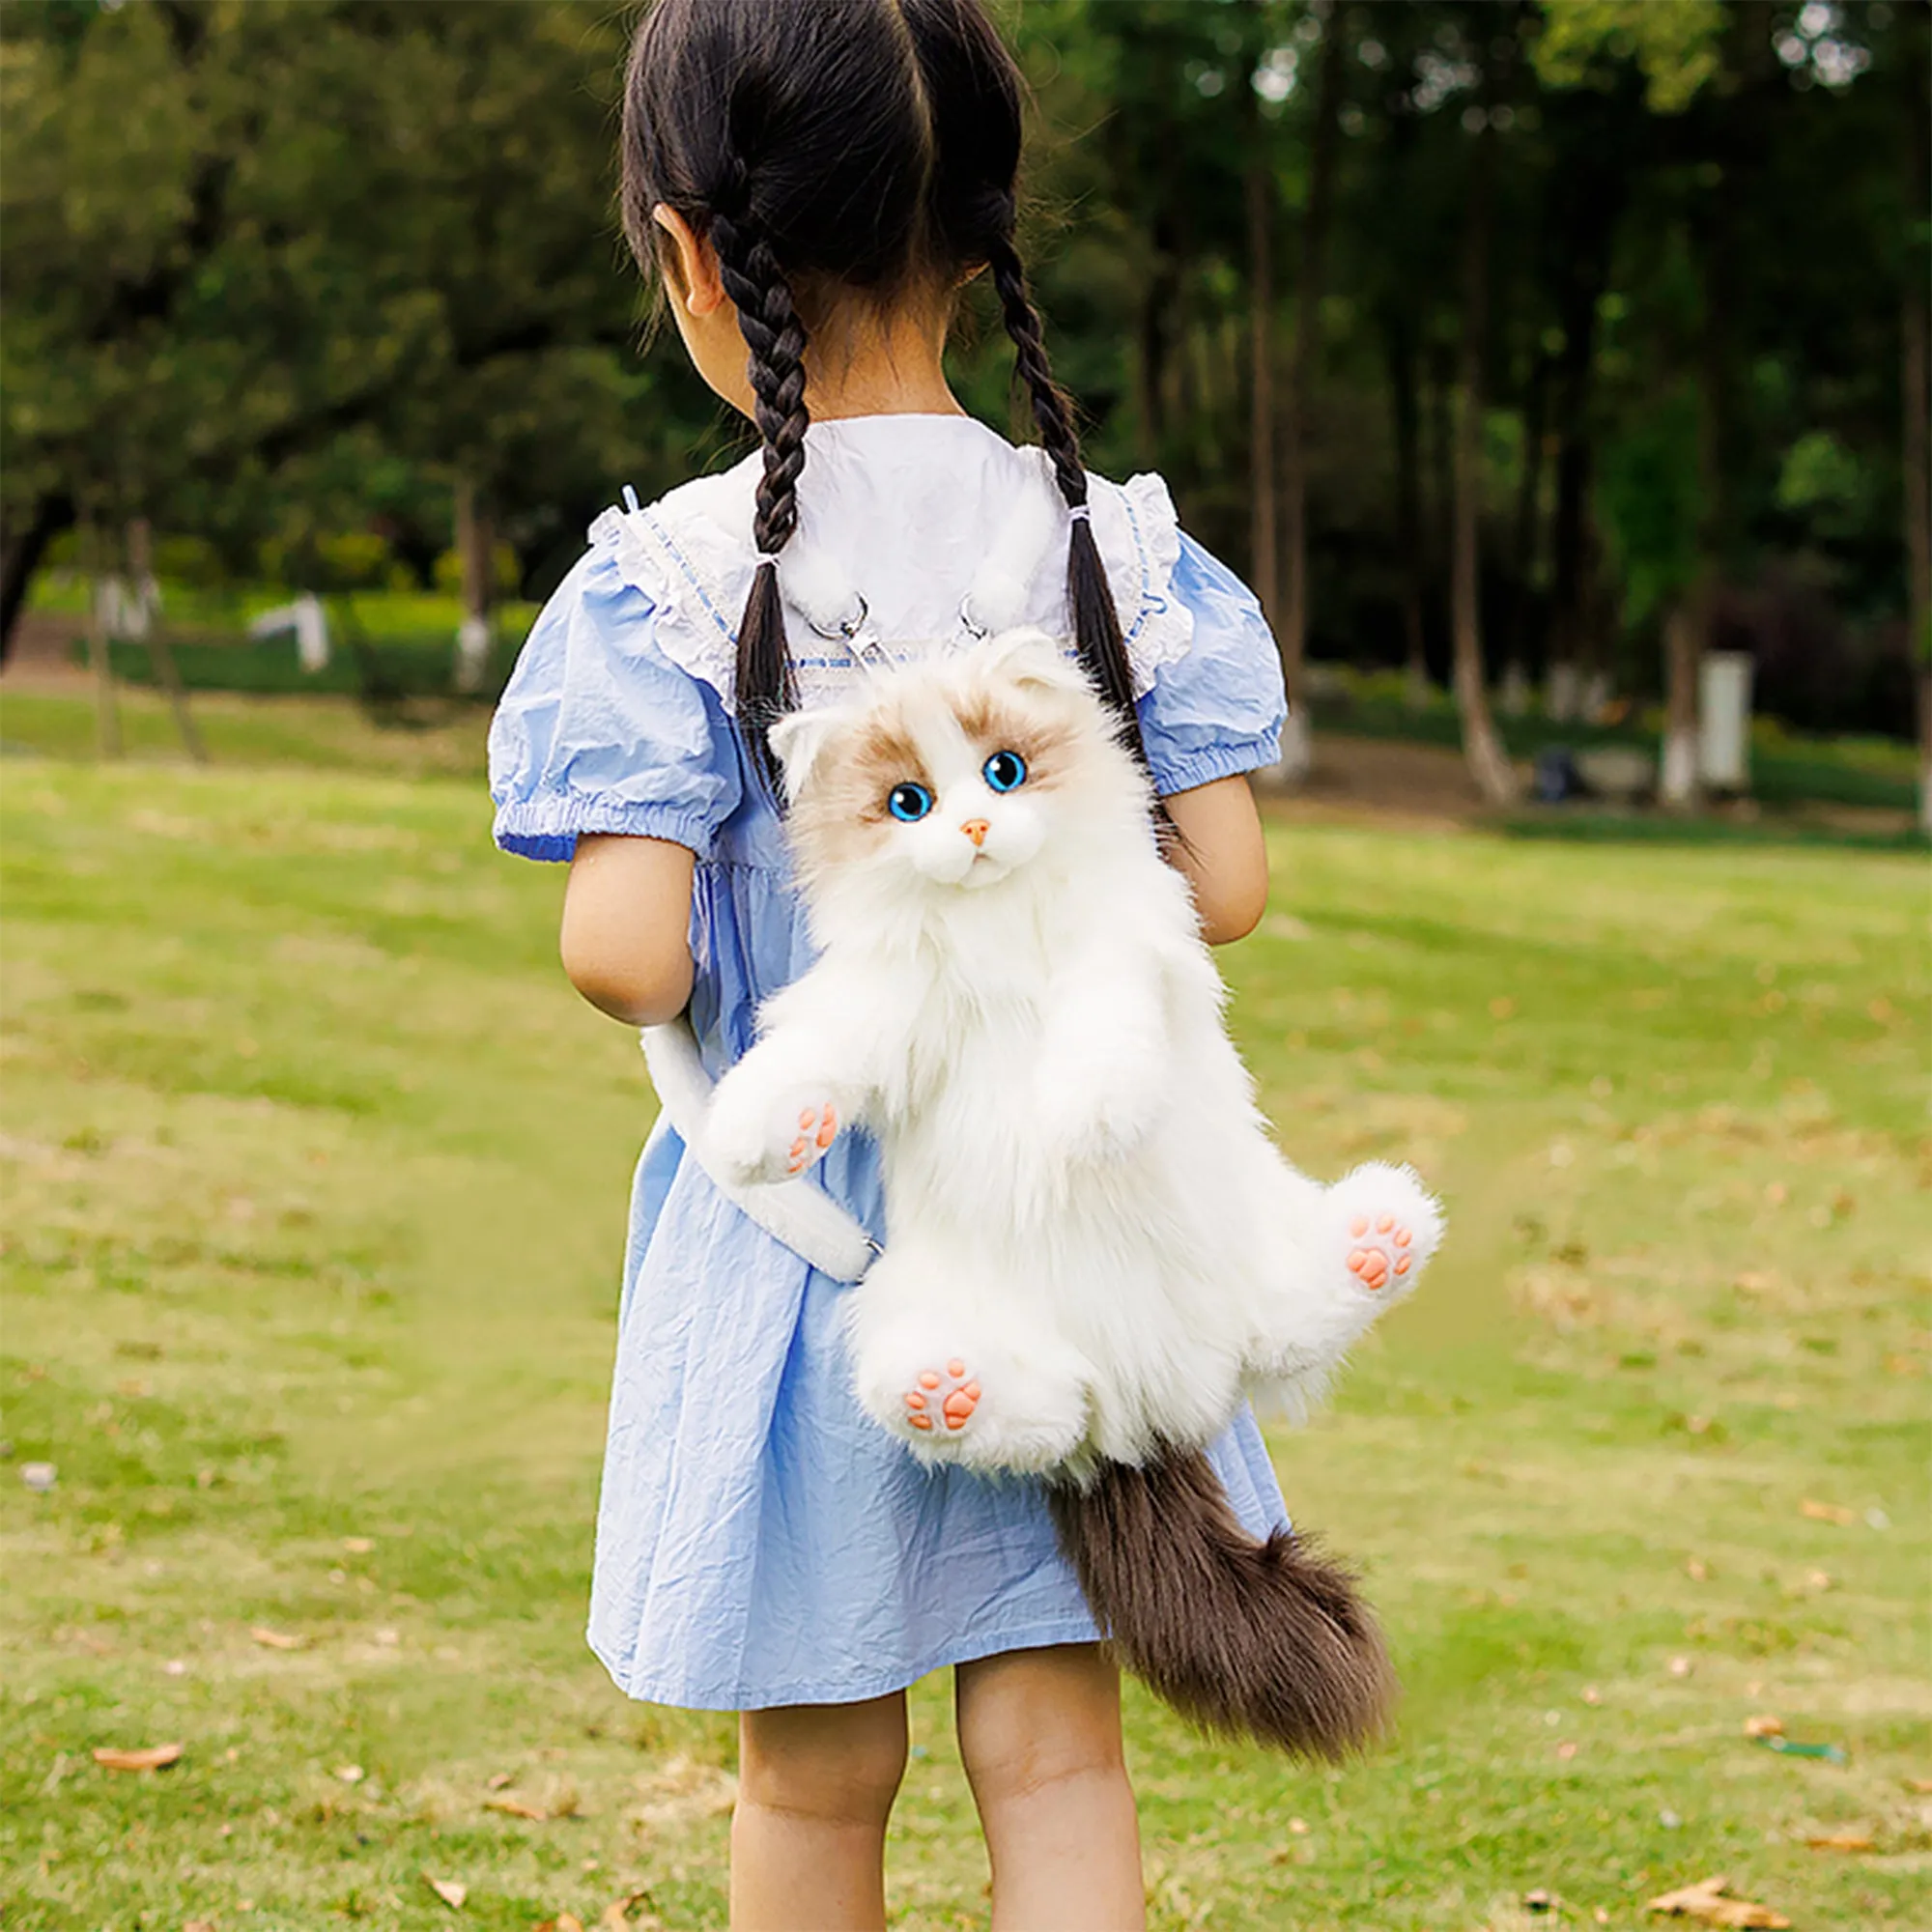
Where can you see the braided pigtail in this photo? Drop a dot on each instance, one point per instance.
(1097, 624)
(776, 338)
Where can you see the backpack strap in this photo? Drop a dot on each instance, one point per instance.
(794, 1213)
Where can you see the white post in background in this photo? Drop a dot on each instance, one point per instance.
(475, 543)
(308, 620)
(1723, 720)
(1562, 693)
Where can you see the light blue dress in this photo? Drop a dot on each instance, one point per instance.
(759, 1541)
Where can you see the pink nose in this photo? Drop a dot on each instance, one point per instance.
(976, 830)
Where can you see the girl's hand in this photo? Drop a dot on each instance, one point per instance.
(1224, 857)
(626, 939)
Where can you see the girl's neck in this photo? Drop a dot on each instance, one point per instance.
(891, 365)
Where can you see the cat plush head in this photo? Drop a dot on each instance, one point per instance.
(956, 774)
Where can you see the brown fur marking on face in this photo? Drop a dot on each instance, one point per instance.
(1042, 732)
(839, 813)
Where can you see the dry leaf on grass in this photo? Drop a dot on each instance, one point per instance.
(1826, 1512)
(1705, 1903)
(616, 1916)
(1764, 1725)
(351, 1774)
(273, 1639)
(499, 1780)
(153, 1757)
(451, 1890)
(564, 1921)
(358, 1546)
(1922, 1785)
(1842, 1841)
(515, 1807)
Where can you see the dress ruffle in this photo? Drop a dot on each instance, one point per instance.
(691, 553)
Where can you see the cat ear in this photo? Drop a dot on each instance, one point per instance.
(1030, 657)
(797, 739)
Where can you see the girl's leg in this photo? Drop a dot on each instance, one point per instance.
(1039, 1731)
(815, 1785)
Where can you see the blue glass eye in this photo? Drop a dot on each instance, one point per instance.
(1004, 771)
(909, 802)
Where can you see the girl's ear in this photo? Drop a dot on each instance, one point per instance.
(699, 286)
(796, 740)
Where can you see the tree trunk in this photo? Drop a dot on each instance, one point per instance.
(474, 543)
(1489, 763)
(167, 673)
(106, 713)
(1683, 655)
(1528, 518)
(21, 549)
(1400, 338)
(1439, 465)
(1916, 395)
(1263, 558)
(1296, 749)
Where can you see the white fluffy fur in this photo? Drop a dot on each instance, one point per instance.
(1084, 1205)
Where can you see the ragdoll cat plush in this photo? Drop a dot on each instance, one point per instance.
(1093, 1247)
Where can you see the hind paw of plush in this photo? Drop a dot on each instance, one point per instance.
(1383, 1227)
(983, 1407)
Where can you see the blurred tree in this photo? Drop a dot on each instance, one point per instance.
(1525, 315)
(1491, 49)
(238, 234)
(1297, 750)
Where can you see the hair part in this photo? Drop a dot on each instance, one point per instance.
(863, 147)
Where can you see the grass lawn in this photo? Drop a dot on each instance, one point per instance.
(315, 1195)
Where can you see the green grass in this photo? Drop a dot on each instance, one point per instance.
(314, 1197)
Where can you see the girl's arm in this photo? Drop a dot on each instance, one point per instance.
(1224, 856)
(626, 939)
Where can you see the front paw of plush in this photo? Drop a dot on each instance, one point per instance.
(759, 1131)
(1383, 1228)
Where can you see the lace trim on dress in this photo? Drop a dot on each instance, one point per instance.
(686, 554)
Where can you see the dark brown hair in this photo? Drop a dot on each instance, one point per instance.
(833, 147)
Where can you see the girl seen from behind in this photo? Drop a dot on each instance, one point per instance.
(814, 180)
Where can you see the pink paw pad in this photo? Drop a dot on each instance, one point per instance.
(817, 1129)
(954, 1406)
(1380, 1254)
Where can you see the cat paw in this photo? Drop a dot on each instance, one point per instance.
(753, 1137)
(1386, 1229)
(1381, 1250)
(986, 1409)
(942, 1400)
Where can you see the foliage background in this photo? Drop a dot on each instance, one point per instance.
(282, 276)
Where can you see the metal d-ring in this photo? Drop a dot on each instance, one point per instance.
(847, 627)
(973, 628)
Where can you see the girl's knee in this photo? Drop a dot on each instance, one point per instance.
(1034, 1719)
(839, 1763)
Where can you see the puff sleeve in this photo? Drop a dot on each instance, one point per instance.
(1216, 708)
(597, 730)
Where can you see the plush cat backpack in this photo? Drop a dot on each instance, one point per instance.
(1093, 1249)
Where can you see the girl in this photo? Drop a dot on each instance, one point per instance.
(814, 179)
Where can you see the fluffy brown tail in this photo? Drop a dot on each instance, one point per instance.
(1257, 1639)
